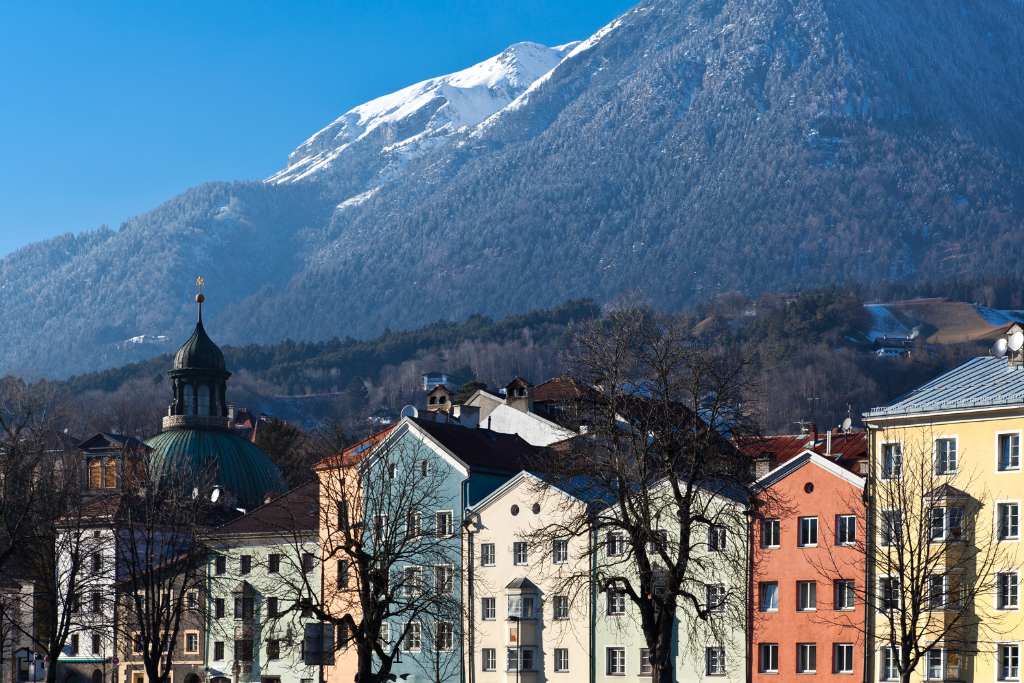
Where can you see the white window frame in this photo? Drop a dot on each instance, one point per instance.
(561, 660)
(808, 602)
(484, 611)
(618, 670)
(768, 667)
(450, 531)
(836, 664)
(800, 531)
(1000, 504)
(615, 602)
(802, 648)
(841, 523)
(444, 572)
(715, 597)
(1001, 674)
(491, 654)
(1013, 579)
(838, 589)
(1020, 437)
(882, 456)
(556, 613)
(715, 654)
(935, 455)
(881, 592)
(419, 637)
(615, 544)
(888, 663)
(886, 519)
(560, 551)
(185, 642)
(645, 662)
(484, 556)
(761, 591)
(775, 525)
(516, 547)
(718, 538)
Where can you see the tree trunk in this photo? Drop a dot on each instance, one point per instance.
(364, 666)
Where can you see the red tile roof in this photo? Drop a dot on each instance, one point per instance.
(846, 447)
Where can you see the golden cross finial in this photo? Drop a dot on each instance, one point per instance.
(200, 282)
(200, 298)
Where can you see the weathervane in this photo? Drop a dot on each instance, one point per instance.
(200, 298)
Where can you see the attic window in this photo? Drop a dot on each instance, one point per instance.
(433, 400)
(442, 399)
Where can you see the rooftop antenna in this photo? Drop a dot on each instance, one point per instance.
(1015, 340)
(999, 348)
(409, 411)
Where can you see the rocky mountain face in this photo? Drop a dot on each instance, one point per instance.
(688, 148)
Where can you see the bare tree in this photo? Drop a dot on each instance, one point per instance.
(935, 560)
(391, 577)
(666, 490)
(161, 564)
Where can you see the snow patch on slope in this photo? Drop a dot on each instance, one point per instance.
(403, 122)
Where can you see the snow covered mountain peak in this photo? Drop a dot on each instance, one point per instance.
(395, 127)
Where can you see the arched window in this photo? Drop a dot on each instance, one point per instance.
(109, 473)
(189, 399)
(204, 399)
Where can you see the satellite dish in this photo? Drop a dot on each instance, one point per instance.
(847, 424)
(409, 411)
(999, 348)
(1016, 340)
(215, 495)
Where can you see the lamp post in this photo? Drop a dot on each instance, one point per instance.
(519, 641)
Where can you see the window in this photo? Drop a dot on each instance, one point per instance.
(938, 585)
(414, 524)
(1009, 452)
(97, 646)
(892, 461)
(245, 564)
(889, 593)
(74, 644)
(385, 635)
(806, 595)
(424, 468)
(1007, 589)
(844, 598)
(645, 662)
(273, 563)
(714, 594)
(97, 602)
(489, 659)
(945, 523)
(521, 606)
(444, 579)
(192, 600)
(806, 658)
(768, 658)
(808, 532)
(615, 658)
(191, 643)
(443, 523)
(273, 649)
(842, 658)
(412, 581)
(413, 637)
(444, 637)
(520, 659)
(308, 562)
(616, 544)
(658, 541)
(218, 608)
(1009, 662)
(1009, 520)
(560, 551)
(768, 596)
(714, 661)
(561, 659)
(220, 565)
(616, 602)
(891, 527)
(243, 607)
(272, 607)
(218, 650)
(716, 538)
(392, 470)
(890, 670)
(486, 554)
(74, 603)
(520, 553)
(771, 533)
(945, 456)
(942, 664)
(846, 529)
(561, 607)
(488, 609)
(342, 572)
(243, 650)
(97, 563)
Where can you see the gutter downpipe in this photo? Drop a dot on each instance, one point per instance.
(749, 597)
(592, 540)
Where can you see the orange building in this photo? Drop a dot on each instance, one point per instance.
(808, 574)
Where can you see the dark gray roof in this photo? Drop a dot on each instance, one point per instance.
(980, 382)
(199, 352)
(523, 583)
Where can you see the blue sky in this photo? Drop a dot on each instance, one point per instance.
(107, 109)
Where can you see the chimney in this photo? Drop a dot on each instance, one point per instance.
(762, 466)
(467, 416)
(439, 399)
(828, 444)
(862, 467)
(518, 395)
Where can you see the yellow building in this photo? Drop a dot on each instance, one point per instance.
(945, 492)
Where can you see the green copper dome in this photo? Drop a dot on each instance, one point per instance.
(199, 352)
(240, 467)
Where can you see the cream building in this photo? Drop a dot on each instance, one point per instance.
(963, 429)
